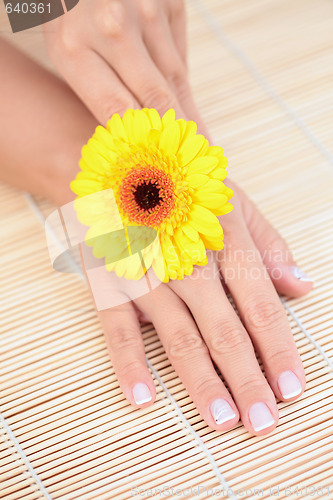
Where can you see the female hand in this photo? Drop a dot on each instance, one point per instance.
(120, 54)
(198, 326)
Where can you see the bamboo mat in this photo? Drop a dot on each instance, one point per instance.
(262, 72)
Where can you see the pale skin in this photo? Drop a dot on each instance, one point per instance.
(44, 128)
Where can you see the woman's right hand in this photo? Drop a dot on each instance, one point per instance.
(198, 326)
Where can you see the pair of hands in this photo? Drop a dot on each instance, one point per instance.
(129, 54)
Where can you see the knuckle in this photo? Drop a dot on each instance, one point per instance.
(130, 366)
(179, 81)
(228, 338)
(263, 314)
(280, 353)
(252, 384)
(203, 386)
(69, 41)
(183, 344)
(159, 98)
(123, 339)
(148, 9)
(110, 19)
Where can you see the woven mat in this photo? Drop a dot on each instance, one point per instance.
(262, 74)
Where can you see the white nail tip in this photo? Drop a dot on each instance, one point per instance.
(300, 275)
(141, 401)
(289, 384)
(264, 426)
(292, 394)
(141, 393)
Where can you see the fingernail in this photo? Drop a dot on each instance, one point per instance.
(289, 384)
(221, 411)
(141, 393)
(300, 275)
(260, 416)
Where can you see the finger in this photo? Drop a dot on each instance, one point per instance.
(104, 93)
(136, 69)
(190, 358)
(230, 347)
(126, 349)
(177, 23)
(167, 59)
(287, 277)
(262, 314)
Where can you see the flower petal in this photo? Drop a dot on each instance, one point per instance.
(128, 121)
(212, 243)
(204, 221)
(209, 200)
(168, 117)
(154, 118)
(116, 127)
(169, 141)
(154, 136)
(197, 180)
(190, 148)
(141, 128)
(202, 165)
(190, 232)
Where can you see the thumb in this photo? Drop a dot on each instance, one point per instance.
(287, 277)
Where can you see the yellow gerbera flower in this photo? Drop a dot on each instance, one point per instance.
(163, 177)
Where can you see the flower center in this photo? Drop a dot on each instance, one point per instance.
(147, 195)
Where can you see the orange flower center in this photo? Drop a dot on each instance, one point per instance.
(147, 195)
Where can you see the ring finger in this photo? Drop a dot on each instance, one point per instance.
(189, 356)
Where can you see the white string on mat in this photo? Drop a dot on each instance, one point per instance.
(259, 78)
(33, 205)
(24, 458)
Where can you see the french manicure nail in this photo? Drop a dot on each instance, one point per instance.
(289, 384)
(141, 393)
(260, 416)
(300, 275)
(221, 411)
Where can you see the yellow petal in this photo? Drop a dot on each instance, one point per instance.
(168, 117)
(116, 127)
(187, 129)
(154, 136)
(197, 180)
(212, 243)
(128, 121)
(218, 173)
(215, 151)
(85, 187)
(204, 221)
(195, 250)
(190, 148)
(210, 200)
(211, 186)
(141, 128)
(202, 165)
(103, 136)
(154, 118)
(98, 147)
(169, 141)
(190, 232)
(170, 254)
(227, 207)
